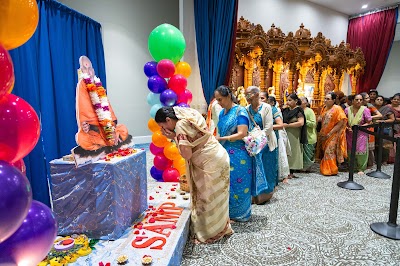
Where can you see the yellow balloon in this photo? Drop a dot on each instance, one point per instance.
(183, 68)
(171, 151)
(18, 22)
(159, 139)
(152, 125)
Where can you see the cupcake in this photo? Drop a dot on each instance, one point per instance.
(147, 260)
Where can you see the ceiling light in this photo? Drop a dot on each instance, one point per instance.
(364, 6)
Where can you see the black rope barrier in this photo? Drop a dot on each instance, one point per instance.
(350, 184)
(378, 172)
(390, 229)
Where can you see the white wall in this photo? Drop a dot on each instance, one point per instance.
(390, 80)
(289, 14)
(126, 25)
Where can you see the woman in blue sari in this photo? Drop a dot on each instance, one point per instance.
(265, 173)
(232, 126)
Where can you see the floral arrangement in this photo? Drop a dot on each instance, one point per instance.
(101, 106)
(82, 247)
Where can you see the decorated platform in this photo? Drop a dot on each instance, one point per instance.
(101, 199)
(160, 232)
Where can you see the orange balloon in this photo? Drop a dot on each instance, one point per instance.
(159, 139)
(171, 151)
(18, 22)
(180, 165)
(183, 68)
(152, 125)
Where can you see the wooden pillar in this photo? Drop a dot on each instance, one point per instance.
(354, 79)
(276, 80)
(262, 77)
(316, 85)
(290, 77)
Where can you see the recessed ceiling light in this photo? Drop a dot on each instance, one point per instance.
(364, 6)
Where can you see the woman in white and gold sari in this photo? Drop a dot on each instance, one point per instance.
(207, 170)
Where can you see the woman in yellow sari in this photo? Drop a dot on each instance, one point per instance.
(332, 135)
(207, 170)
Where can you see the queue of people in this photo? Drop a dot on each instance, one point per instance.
(225, 180)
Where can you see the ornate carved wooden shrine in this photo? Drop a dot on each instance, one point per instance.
(297, 62)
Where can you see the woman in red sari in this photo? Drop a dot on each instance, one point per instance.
(332, 135)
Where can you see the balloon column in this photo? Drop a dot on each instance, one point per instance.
(27, 227)
(167, 84)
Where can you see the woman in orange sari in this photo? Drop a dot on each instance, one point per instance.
(332, 135)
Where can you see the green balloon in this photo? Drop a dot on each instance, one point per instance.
(166, 42)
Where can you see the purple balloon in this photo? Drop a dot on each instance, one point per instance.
(15, 199)
(150, 68)
(157, 84)
(32, 241)
(168, 97)
(183, 105)
(156, 174)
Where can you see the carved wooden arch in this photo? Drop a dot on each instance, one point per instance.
(270, 58)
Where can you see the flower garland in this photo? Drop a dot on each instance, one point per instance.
(101, 106)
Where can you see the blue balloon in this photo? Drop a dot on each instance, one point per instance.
(156, 174)
(157, 84)
(150, 68)
(154, 109)
(168, 97)
(153, 98)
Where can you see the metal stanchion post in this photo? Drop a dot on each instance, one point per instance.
(378, 173)
(350, 184)
(391, 229)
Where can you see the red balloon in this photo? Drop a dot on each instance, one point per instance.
(185, 97)
(161, 162)
(20, 128)
(177, 83)
(170, 175)
(6, 71)
(166, 68)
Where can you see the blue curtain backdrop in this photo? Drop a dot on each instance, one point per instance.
(46, 76)
(215, 23)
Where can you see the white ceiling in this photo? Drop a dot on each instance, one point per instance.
(352, 7)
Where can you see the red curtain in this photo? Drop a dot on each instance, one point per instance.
(374, 34)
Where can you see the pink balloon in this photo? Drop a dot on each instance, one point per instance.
(171, 175)
(166, 68)
(156, 150)
(161, 162)
(185, 97)
(177, 83)
(20, 128)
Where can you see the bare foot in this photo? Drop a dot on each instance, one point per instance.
(232, 221)
(285, 181)
(361, 173)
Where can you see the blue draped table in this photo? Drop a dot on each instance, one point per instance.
(101, 199)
